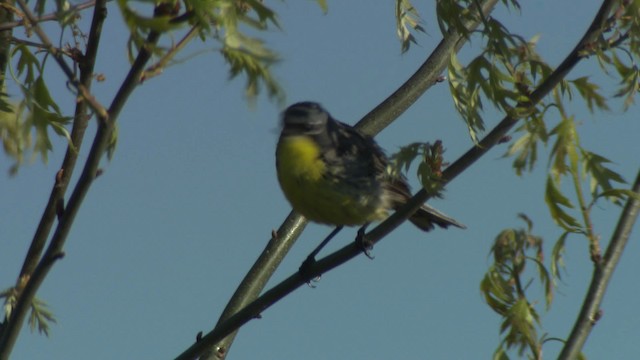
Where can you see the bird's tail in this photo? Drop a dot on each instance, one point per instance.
(427, 217)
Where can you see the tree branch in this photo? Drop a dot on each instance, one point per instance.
(49, 17)
(10, 332)
(106, 125)
(58, 56)
(80, 122)
(589, 313)
(157, 67)
(372, 123)
(331, 261)
(5, 39)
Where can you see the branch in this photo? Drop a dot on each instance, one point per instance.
(57, 55)
(602, 273)
(331, 261)
(372, 123)
(257, 278)
(5, 39)
(80, 122)
(157, 68)
(49, 17)
(9, 333)
(106, 125)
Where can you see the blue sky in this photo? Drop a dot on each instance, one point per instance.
(190, 199)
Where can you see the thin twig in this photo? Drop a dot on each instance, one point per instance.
(589, 313)
(6, 15)
(80, 123)
(372, 123)
(63, 176)
(106, 125)
(156, 68)
(57, 55)
(49, 17)
(350, 251)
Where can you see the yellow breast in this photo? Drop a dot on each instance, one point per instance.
(303, 178)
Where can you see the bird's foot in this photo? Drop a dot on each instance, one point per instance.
(305, 271)
(364, 244)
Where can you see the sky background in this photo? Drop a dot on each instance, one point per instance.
(190, 199)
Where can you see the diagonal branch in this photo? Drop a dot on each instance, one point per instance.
(270, 297)
(106, 124)
(6, 16)
(58, 56)
(9, 333)
(49, 17)
(372, 123)
(80, 122)
(602, 273)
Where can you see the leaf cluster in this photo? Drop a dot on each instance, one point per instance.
(407, 20)
(40, 316)
(503, 74)
(227, 22)
(506, 284)
(429, 169)
(37, 112)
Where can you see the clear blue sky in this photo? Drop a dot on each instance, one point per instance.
(190, 199)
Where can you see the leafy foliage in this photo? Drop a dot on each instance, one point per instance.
(504, 74)
(222, 21)
(36, 112)
(40, 316)
(407, 20)
(429, 169)
(506, 284)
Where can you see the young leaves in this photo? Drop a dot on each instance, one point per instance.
(407, 20)
(224, 21)
(506, 284)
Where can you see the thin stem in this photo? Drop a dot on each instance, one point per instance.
(589, 313)
(254, 282)
(10, 331)
(80, 122)
(372, 123)
(350, 251)
(49, 17)
(106, 125)
(57, 55)
(156, 68)
(594, 244)
(5, 36)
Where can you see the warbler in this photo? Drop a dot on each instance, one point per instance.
(333, 174)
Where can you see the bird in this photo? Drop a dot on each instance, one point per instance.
(332, 173)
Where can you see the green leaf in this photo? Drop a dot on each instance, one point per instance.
(497, 291)
(564, 148)
(10, 296)
(27, 66)
(520, 320)
(557, 256)
(407, 19)
(5, 105)
(466, 97)
(555, 201)
(629, 82)
(113, 142)
(40, 316)
(546, 281)
(500, 354)
(601, 176)
(401, 160)
(589, 92)
(619, 194)
(525, 148)
(256, 69)
(44, 113)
